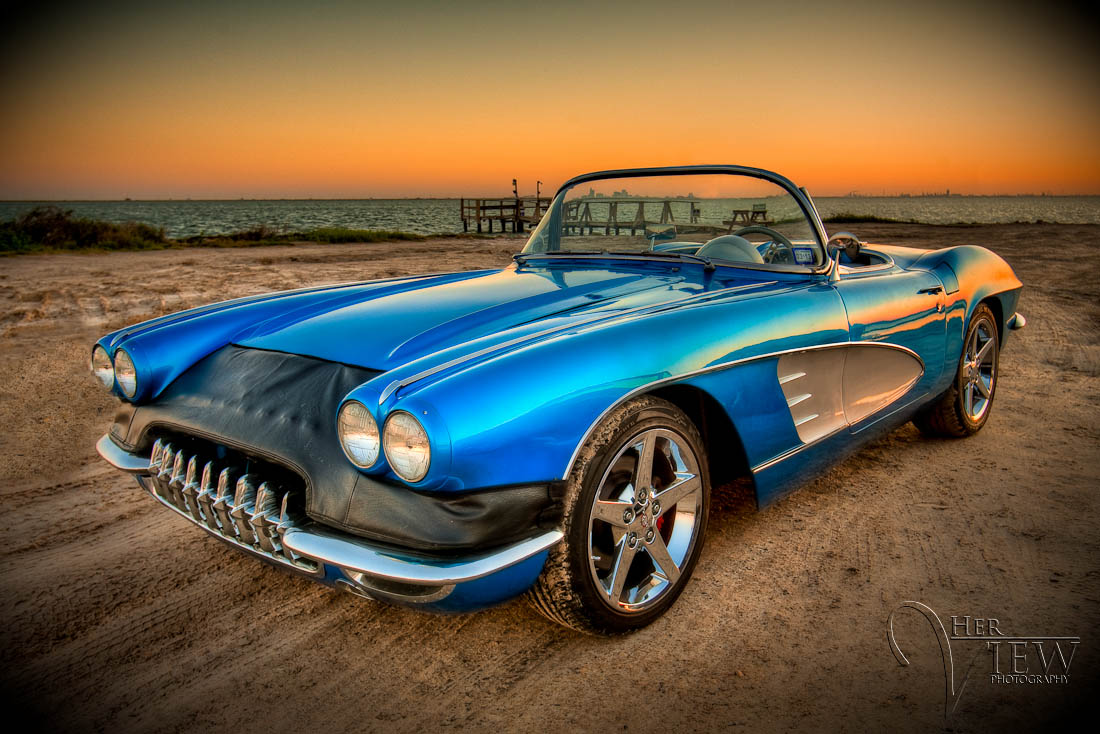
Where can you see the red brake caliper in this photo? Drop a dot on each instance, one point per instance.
(661, 524)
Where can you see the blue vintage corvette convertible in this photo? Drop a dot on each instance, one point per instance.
(555, 426)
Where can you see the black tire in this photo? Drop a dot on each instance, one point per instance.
(569, 591)
(949, 416)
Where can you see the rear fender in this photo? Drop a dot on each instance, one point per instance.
(971, 275)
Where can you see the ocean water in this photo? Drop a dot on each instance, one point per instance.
(437, 216)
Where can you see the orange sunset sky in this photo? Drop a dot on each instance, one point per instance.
(327, 99)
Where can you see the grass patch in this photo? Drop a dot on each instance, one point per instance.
(849, 218)
(51, 229)
(336, 235)
(48, 228)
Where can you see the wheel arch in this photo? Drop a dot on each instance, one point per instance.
(995, 305)
(726, 458)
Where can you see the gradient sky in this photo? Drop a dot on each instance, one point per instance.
(334, 99)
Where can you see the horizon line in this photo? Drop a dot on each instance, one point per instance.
(900, 195)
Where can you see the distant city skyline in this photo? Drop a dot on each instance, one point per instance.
(284, 100)
(500, 195)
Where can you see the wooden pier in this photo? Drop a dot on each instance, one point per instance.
(611, 214)
(579, 215)
(516, 212)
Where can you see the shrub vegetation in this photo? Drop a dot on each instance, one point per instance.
(50, 229)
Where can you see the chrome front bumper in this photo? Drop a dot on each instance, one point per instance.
(1017, 321)
(258, 518)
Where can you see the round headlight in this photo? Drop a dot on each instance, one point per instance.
(126, 373)
(102, 368)
(358, 434)
(406, 446)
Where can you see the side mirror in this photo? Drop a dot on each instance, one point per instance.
(845, 242)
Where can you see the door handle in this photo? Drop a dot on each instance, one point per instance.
(931, 290)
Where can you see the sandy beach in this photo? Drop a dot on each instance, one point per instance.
(118, 615)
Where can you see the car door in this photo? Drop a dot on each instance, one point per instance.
(888, 305)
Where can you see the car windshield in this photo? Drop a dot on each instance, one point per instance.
(726, 218)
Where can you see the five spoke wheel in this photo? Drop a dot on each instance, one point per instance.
(644, 519)
(634, 514)
(964, 407)
(979, 369)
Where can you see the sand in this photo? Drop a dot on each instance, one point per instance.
(119, 615)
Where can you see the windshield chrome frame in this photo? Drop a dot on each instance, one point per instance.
(799, 194)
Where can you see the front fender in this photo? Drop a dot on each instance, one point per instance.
(521, 416)
(165, 347)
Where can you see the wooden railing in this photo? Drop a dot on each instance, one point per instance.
(519, 213)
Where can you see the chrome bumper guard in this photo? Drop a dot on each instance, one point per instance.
(256, 516)
(1017, 321)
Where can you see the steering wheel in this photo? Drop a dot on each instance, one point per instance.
(781, 249)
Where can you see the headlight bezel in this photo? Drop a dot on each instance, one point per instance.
(104, 373)
(126, 376)
(350, 405)
(402, 465)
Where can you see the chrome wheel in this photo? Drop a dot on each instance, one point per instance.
(979, 370)
(645, 519)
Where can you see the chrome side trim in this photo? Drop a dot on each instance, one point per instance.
(358, 556)
(121, 459)
(792, 451)
(717, 368)
(875, 379)
(816, 402)
(844, 386)
(1017, 321)
(791, 402)
(609, 317)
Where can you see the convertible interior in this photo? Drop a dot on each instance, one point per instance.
(770, 247)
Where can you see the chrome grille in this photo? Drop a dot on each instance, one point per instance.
(238, 506)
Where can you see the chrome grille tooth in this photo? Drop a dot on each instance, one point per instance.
(244, 500)
(175, 484)
(287, 519)
(264, 517)
(154, 458)
(190, 490)
(240, 508)
(223, 503)
(284, 523)
(163, 476)
(207, 493)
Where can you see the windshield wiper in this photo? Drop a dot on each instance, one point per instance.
(707, 264)
(521, 257)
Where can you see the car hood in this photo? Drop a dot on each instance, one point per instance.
(385, 330)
